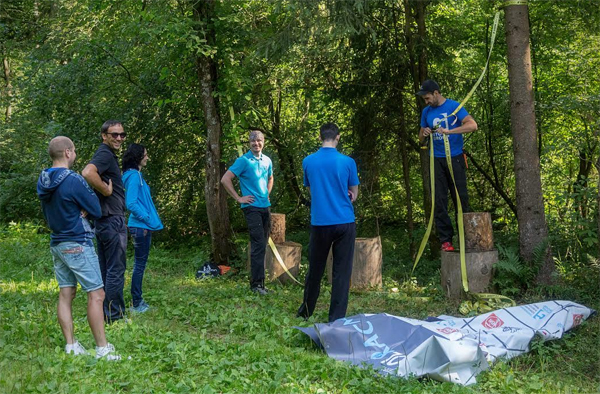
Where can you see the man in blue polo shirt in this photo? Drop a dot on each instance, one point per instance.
(435, 122)
(255, 172)
(332, 181)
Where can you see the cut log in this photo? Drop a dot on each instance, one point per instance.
(278, 228)
(290, 252)
(366, 265)
(478, 231)
(479, 272)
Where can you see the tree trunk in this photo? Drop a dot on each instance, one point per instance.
(598, 198)
(9, 93)
(414, 12)
(215, 195)
(286, 159)
(531, 219)
(403, 142)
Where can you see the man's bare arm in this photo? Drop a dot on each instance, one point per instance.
(227, 182)
(353, 193)
(91, 175)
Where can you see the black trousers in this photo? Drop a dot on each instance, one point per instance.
(443, 184)
(340, 239)
(111, 235)
(259, 227)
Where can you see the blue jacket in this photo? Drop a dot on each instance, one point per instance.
(64, 194)
(139, 202)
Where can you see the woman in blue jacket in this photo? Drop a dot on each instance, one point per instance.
(143, 219)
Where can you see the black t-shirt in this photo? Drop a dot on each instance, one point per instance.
(107, 164)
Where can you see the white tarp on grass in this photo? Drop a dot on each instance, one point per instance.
(445, 348)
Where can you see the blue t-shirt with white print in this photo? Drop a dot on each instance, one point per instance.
(432, 116)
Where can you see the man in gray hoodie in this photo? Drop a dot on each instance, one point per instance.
(67, 201)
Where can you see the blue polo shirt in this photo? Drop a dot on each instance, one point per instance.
(254, 174)
(329, 174)
(432, 116)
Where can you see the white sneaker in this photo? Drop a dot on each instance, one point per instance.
(107, 352)
(75, 349)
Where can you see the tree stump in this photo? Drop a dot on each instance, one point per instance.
(278, 228)
(479, 272)
(290, 252)
(366, 265)
(478, 231)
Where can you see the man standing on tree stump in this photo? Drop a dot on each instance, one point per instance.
(332, 180)
(255, 172)
(435, 122)
(103, 173)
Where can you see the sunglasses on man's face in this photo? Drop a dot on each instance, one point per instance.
(117, 135)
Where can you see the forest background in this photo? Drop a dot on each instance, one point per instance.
(188, 78)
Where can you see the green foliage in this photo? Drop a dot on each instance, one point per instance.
(288, 66)
(217, 336)
(511, 274)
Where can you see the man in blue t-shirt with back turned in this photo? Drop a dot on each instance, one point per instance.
(332, 180)
(255, 172)
(435, 122)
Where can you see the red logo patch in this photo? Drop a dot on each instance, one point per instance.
(447, 330)
(492, 321)
(577, 319)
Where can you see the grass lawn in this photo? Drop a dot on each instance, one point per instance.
(216, 336)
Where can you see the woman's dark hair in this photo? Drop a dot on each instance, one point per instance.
(133, 157)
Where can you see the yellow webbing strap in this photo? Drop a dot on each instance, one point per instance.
(271, 243)
(461, 227)
(430, 223)
(280, 260)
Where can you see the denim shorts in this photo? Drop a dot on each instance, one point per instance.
(74, 262)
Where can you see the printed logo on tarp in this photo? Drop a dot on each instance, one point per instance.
(536, 312)
(577, 318)
(386, 356)
(447, 330)
(492, 321)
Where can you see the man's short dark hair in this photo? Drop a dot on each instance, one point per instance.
(108, 124)
(329, 131)
(57, 147)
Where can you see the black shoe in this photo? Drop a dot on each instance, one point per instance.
(260, 290)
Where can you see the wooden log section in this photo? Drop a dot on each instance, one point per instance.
(278, 228)
(479, 272)
(478, 231)
(290, 252)
(366, 265)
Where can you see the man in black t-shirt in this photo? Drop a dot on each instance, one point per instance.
(104, 175)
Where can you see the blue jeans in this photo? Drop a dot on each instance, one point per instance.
(141, 245)
(111, 235)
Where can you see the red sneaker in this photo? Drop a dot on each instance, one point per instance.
(447, 247)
